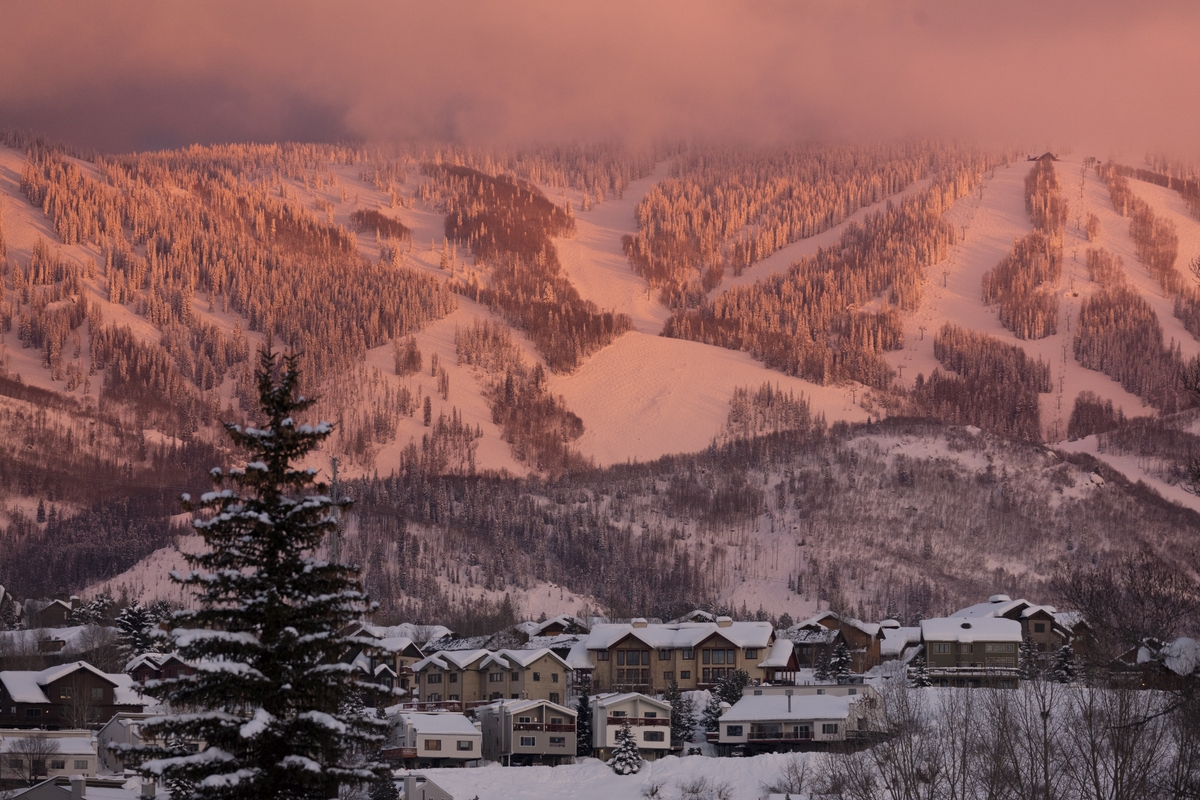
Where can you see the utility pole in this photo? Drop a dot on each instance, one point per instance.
(333, 535)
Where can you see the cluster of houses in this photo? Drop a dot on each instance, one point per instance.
(514, 697)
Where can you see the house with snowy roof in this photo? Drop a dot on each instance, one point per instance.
(383, 659)
(157, 666)
(74, 753)
(862, 638)
(440, 739)
(127, 729)
(778, 722)
(649, 657)
(555, 626)
(67, 696)
(526, 732)
(649, 720)
(1044, 625)
(900, 643)
(81, 787)
(974, 651)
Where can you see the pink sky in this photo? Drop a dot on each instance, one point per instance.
(128, 75)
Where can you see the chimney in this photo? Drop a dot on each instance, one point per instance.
(789, 697)
(638, 622)
(78, 787)
(724, 622)
(149, 790)
(410, 787)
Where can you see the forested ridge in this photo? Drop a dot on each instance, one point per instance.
(830, 317)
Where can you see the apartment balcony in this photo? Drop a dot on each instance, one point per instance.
(641, 721)
(778, 736)
(538, 726)
(398, 753)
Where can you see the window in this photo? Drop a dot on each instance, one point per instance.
(528, 741)
(554, 677)
(494, 696)
(758, 692)
(81, 763)
(706, 675)
(602, 655)
(718, 656)
(620, 658)
(98, 693)
(434, 697)
(941, 647)
(515, 696)
(516, 676)
(554, 698)
(33, 712)
(706, 656)
(685, 674)
(650, 714)
(619, 714)
(829, 728)
(689, 653)
(454, 677)
(59, 763)
(664, 654)
(434, 678)
(730, 656)
(558, 741)
(1000, 648)
(64, 693)
(964, 647)
(495, 677)
(751, 652)
(653, 736)
(820, 691)
(1039, 627)
(733, 730)
(668, 676)
(537, 676)
(465, 745)
(524, 720)
(454, 697)
(556, 721)
(433, 744)
(853, 690)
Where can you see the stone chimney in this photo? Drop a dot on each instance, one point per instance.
(78, 787)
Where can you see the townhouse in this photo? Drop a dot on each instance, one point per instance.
(863, 639)
(475, 677)
(962, 651)
(644, 657)
(433, 740)
(648, 719)
(1044, 625)
(528, 732)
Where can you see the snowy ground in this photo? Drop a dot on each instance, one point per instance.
(592, 780)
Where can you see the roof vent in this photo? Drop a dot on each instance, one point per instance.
(639, 622)
(724, 622)
(966, 625)
(999, 598)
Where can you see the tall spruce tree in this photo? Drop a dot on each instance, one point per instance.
(683, 714)
(1028, 662)
(135, 626)
(267, 696)
(919, 673)
(626, 758)
(839, 664)
(711, 716)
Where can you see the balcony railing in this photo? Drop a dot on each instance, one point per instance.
(564, 728)
(538, 726)
(643, 721)
(398, 753)
(779, 736)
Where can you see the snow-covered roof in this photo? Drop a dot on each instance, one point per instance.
(125, 693)
(76, 639)
(521, 658)
(407, 630)
(25, 686)
(821, 635)
(681, 634)
(451, 659)
(896, 639)
(578, 658)
(1181, 656)
(869, 628)
(69, 745)
(519, 706)
(449, 722)
(769, 707)
(395, 644)
(781, 653)
(616, 698)
(1000, 605)
(1068, 619)
(976, 629)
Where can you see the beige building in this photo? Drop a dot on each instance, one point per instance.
(528, 732)
(644, 657)
(475, 677)
(649, 719)
(67, 752)
(433, 740)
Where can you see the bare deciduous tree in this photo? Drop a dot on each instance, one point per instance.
(25, 759)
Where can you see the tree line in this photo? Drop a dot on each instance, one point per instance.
(1023, 282)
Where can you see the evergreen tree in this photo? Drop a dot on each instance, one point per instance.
(711, 717)
(136, 631)
(1065, 669)
(683, 715)
(821, 667)
(384, 790)
(839, 664)
(266, 631)
(730, 687)
(583, 725)
(785, 621)
(919, 673)
(41, 511)
(626, 760)
(1027, 659)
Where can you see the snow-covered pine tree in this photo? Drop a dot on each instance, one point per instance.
(136, 631)
(683, 714)
(711, 716)
(266, 632)
(730, 687)
(583, 725)
(1065, 669)
(1028, 661)
(626, 760)
(919, 673)
(839, 663)
(821, 667)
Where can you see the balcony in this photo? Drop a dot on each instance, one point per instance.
(538, 726)
(398, 753)
(779, 736)
(640, 721)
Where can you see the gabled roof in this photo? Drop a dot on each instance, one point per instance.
(509, 659)
(445, 722)
(518, 706)
(451, 659)
(895, 640)
(770, 707)
(978, 629)
(780, 655)
(869, 628)
(616, 698)
(26, 686)
(681, 634)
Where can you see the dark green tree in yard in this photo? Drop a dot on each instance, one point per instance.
(919, 673)
(269, 698)
(729, 688)
(583, 725)
(711, 716)
(839, 664)
(1065, 669)
(1028, 662)
(136, 625)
